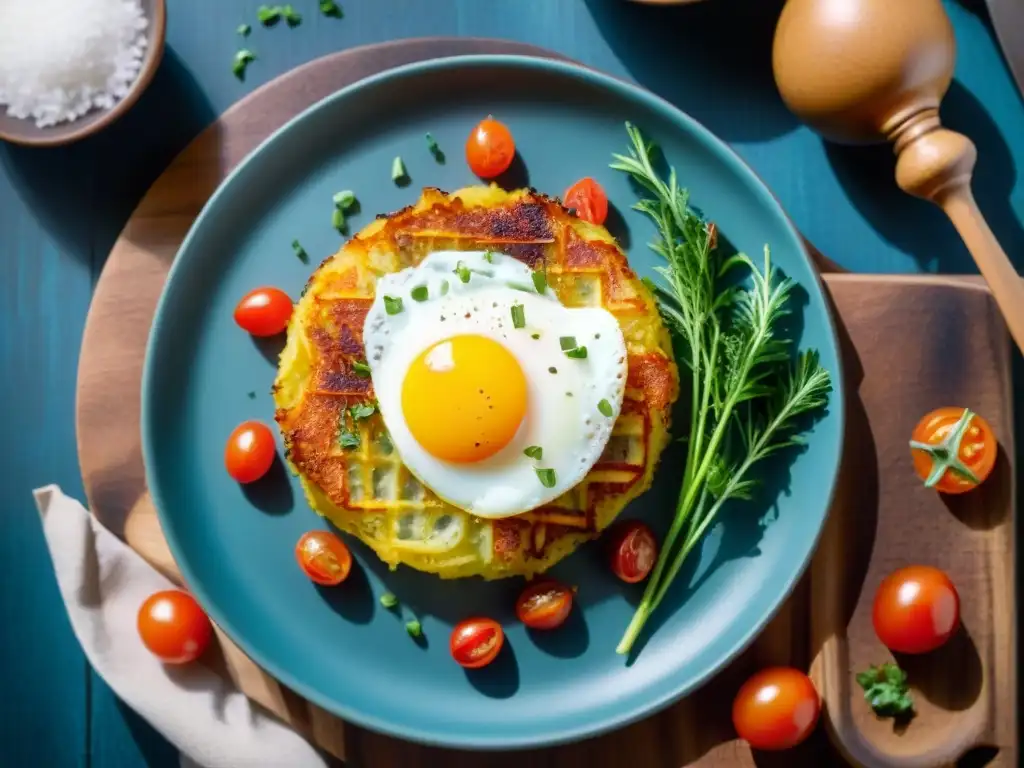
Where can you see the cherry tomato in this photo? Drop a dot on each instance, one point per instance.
(948, 441)
(476, 642)
(249, 452)
(634, 551)
(589, 200)
(173, 626)
(323, 557)
(490, 148)
(916, 609)
(264, 311)
(776, 708)
(544, 604)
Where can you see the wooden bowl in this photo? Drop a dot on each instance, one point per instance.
(25, 131)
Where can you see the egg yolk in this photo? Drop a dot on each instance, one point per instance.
(464, 398)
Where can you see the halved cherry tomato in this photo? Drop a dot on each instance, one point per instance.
(776, 708)
(173, 626)
(476, 642)
(916, 609)
(589, 200)
(634, 550)
(250, 451)
(490, 148)
(323, 557)
(264, 311)
(954, 449)
(544, 604)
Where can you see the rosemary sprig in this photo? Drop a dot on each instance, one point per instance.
(746, 393)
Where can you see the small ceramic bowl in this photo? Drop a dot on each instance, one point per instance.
(25, 131)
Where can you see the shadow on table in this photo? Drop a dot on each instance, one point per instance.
(917, 226)
(713, 60)
(83, 193)
(980, 9)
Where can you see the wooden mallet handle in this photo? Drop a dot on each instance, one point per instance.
(936, 164)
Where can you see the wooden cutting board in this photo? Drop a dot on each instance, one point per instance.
(910, 343)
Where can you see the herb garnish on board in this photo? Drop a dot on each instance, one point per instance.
(886, 690)
(746, 392)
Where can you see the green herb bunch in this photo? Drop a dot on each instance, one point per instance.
(886, 690)
(747, 394)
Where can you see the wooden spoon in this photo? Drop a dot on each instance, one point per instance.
(862, 71)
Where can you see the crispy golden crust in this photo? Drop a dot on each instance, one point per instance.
(365, 490)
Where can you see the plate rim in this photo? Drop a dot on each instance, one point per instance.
(588, 728)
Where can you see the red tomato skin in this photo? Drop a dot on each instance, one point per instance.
(249, 452)
(633, 551)
(173, 627)
(264, 311)
(589, 200)
(916, 609)
(777, 708)
(490, 148)
(978, 448)
(323, 544)
(549, 615)
(470, 634)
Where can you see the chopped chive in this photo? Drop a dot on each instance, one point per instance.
(244, 30)
(605, 408)
(414, 628)
(535, 336)
(362, 411)
(300, 252)
(540, 281)
(398, 172)
(291, 16)
(348, 439)
(580, 353)
(252, 395)
(546, 477)
(268, 16)
(462, 271)
(338, 220)
(535, 452)
(552, 369)
(392, 304)
(330, 8)
(521, 287)
(345, 199)
(444, 287)
(518, 316)
(388, 600)
(489, 257)
(360, 369)
(568, 394)
(435, 149)
(419, 293)
(567, 342)
(243, 59)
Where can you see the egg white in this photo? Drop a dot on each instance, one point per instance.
(563, 415)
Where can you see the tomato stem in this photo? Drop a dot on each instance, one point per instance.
(945, 455)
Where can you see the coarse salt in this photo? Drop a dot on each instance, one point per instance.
(59, 59)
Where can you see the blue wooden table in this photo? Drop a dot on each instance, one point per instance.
(61, 209)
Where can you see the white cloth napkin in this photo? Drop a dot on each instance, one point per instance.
(103, 583)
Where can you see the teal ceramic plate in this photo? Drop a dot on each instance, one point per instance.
(338, 647)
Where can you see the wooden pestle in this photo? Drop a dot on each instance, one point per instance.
(863, 71)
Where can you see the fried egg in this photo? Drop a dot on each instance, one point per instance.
(496, 396)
